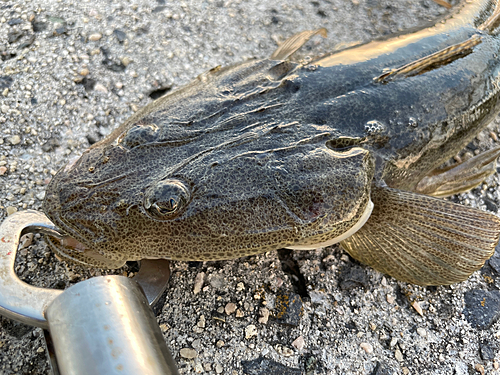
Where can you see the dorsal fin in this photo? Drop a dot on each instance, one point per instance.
(292, 44)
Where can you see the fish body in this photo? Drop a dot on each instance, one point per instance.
(271, 153)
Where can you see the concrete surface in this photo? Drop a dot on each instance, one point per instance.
(68, 78)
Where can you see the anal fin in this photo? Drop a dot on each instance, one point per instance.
(423, 240)
(462, 177)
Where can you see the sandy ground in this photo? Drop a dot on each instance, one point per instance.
(73, 70)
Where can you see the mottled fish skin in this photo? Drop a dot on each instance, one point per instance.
(269, 154)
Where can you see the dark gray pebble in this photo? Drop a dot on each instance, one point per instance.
(353, 277)
(5, 82)
(482, 308)
(14, 21)
(382, 369)
(494, 261)
(266, 366)
(120, 35)
(14, 36)
(487, 350)
(288, 309)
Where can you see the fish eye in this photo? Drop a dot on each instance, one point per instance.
(166, 198)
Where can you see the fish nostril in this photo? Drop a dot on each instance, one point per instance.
(138, 135)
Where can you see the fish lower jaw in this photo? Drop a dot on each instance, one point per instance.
(362, 220)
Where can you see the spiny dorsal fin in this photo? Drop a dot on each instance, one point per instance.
(292, 44)
(424, 240)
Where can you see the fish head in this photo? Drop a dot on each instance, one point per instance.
(205, 178)
(220, 205)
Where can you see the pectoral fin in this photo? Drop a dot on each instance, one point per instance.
(423, 240)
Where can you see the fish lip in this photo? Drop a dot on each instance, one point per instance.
(68, 232)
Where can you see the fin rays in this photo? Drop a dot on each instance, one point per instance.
(423, 240)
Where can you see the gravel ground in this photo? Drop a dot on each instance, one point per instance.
(72, 71)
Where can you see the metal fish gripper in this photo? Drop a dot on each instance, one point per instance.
(103, 325)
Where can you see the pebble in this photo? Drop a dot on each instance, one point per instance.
(219, 344)
(188, 353)
(299, 343)
(239, 314)
(198, 282)
(383, 369)
(202, 322)
(267, 366)
(230, 308)
(354, 277)
(487, 350)
(422, 332)
(2, 170)
(250, 331)
(10, 210)
(14, 140)
(398, 355)
(479, 368)
(95, 36)
(368, 348)
(390, 298)
(482, 308)
(417, 308)
(126, 60)
(288, 309)
(101, 88)
(84, 72)
(264, 315)
(219, 368)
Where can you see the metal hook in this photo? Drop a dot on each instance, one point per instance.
(26, 303)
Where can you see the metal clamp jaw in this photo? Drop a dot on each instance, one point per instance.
(102, 325)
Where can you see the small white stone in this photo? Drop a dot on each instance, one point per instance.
(390, 298)
(250, 331)
(198, 282)
(202, 322)
(264, 315)
(368, 348)
(417, 308)
(398, 355)
(14, 140)
(299, 343)
(422, 332)
(10, 210)
(230, 308)
(95, 36)
(188, 353)
(101, 88)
